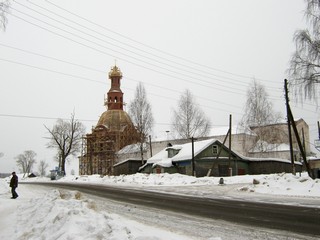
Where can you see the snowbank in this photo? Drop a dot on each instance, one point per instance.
(62, 214)
(279, 184)
(286, 184)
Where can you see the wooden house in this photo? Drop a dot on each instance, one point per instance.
(211, 157)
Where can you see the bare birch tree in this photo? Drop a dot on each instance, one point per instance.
(304, 70)
(66, 138)
(140, 112)
(259, 112)
(4, 8)
(188, 119)
(26, 161)
(42, 168)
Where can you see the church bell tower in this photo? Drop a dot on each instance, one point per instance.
(113, 131)
(114, 100)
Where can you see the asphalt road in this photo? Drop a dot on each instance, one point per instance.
(303, 220)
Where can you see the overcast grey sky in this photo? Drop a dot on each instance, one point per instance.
(55, 57)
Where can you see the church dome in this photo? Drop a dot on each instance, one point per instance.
(115, 72)
(115, 120)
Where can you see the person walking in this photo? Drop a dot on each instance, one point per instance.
(14, 185)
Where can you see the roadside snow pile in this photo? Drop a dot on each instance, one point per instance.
(280, 183)
(62, 215)
(143, 179)
(164, 179)
(284, 184)
(68, 215)
(157, 179)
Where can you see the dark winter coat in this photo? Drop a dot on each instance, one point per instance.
(14, 181)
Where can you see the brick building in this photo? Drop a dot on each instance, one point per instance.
(113, 131)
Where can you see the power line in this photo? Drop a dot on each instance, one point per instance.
(41, 117)
(197, 84)
(125, 60)
(100, 71)
(49, 70)
(164, 63)
(125, 49)
(88, 79)
(240, 92)
(92, 69)
(175, 91)
(67, 119)
(148, 46)
(52, 58)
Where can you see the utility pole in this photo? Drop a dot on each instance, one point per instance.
(229, 156)
(289, 126)
(302, 151)
(317, 141)
(230, 133)
(219, 152)
(303, 141)
(192, 143)
(150, 145)
(142, 138)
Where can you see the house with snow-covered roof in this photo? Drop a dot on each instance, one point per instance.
(265, 148)
(211, 157)
(178, 159)
(270, 141)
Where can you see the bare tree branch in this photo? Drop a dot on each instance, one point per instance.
(66, 138)
(42, 168)
(189, 120)
(141, 115)
(259, 112)
(305, 62)
(26, 161)
(4, 8)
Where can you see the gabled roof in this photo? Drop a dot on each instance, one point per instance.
(132, 148)
(185, 152)
(127, 160)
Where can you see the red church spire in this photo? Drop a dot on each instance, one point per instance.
(114, 101)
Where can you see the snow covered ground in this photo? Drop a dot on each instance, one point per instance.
(43, 213)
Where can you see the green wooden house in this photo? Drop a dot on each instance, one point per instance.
(212, 158)
(179, 159)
